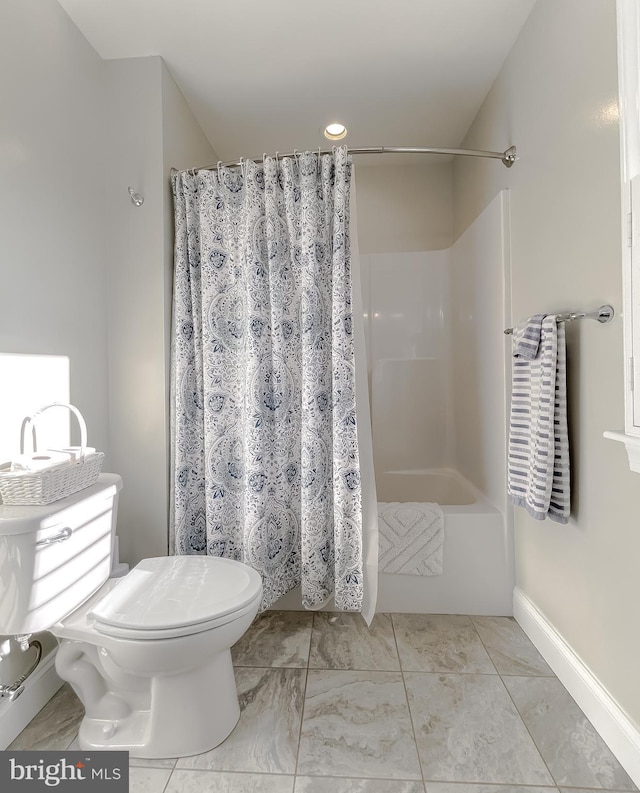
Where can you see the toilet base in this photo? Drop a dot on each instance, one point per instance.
(189, 714)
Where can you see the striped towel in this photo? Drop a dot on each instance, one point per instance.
(526, 337)
(538, 477)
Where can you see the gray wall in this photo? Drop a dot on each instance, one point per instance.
(83, 272)
(403, 207)
(52, 201)
(555, 98)
(151, 130)
(52, 212)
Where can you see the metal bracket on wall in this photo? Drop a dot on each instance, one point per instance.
(136, 199)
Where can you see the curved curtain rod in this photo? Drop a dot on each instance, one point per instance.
(508, 157)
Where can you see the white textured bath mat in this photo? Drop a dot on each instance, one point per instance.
(411, 538)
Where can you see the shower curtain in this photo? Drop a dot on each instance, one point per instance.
(266, 460)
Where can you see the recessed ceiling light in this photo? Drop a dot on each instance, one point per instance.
(335, 131)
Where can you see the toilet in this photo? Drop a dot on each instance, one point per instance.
(147, 654)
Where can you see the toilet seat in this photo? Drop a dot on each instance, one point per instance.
(172, 596)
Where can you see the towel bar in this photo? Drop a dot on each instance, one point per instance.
(603, 314)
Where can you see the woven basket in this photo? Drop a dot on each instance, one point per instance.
(47, 486)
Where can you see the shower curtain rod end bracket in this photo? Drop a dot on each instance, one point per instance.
(510, 156)
(605, 313)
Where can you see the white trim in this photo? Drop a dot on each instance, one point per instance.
(614, 726)
(38, 690)
(632, 444)
(628, 48)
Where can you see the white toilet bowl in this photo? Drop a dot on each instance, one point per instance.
(147, 654)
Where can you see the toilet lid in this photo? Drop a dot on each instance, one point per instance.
(177, 591)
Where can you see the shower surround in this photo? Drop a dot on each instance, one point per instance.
(436, 358)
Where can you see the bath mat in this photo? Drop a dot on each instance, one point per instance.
(411, 538)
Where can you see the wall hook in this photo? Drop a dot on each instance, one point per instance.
(136, 199)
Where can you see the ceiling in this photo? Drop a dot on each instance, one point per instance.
(267, 75)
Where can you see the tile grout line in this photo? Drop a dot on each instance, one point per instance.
(527, 728)
(437, 669)
(535, 743)
(304, 703)
(412, 671)
(492, 675)
(521, 786)
(484, 646)
(166, 784)
(406, 695)
(522, 673)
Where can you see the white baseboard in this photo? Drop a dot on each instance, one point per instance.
(39, 687)
(614, 726)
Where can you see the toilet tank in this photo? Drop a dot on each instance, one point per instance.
(52, 558)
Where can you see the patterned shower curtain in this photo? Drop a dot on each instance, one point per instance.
(265, 449)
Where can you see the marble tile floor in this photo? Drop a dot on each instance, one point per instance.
(414, 704)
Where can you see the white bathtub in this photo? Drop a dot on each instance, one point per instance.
(478, 575)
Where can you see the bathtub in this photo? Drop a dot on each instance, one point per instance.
(478, 568)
